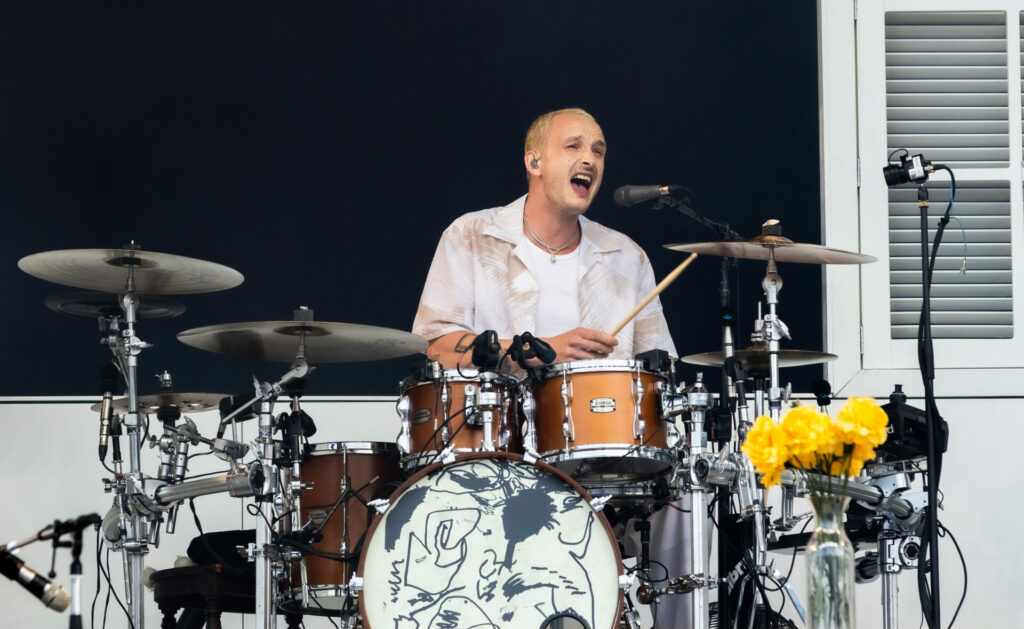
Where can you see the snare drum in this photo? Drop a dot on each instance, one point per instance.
(468, 400)
(490, 541)
(600, 421)
(339, 472)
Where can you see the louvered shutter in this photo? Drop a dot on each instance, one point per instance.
(945, 82)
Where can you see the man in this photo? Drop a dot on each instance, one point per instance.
(538, 265)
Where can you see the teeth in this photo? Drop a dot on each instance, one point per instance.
(583, 177)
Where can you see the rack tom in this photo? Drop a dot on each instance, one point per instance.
(600, 421)
(465, 410)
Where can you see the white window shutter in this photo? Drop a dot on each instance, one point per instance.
(945, 82)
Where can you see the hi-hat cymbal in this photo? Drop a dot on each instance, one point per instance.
(325, 342)
(755, 358)
(785, 251)
(184, 402)
(109, 305)
(106, 270)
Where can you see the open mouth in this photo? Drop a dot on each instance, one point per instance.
(581, 183)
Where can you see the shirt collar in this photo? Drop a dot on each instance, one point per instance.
(507, 225)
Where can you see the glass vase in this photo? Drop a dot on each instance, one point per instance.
(830, 581)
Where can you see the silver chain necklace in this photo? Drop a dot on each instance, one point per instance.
(552, 250)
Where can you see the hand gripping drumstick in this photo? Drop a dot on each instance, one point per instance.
(671, 277)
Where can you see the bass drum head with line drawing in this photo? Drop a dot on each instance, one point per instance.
(490, 541)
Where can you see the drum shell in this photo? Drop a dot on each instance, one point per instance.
(602, 410)
(375, 528)
(328, 464)
(426, 415)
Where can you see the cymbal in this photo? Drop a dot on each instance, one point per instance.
(109, 305)
(106, 270)
(785, 251)
(755, 358)
(326, 342)
(185, 402)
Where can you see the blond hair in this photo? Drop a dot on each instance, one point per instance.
(537, 134)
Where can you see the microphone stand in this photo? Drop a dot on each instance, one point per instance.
(926, 356)
(75, 621)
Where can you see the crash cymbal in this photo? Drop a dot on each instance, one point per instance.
(185, 402)
(109, 305)
(772, 240)
(106, 270)
(785, 251)
(755, 358)
(325, 342)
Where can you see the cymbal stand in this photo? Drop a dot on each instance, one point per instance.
(698, 400)
(770, 330)
(134, 527)
(272, 499)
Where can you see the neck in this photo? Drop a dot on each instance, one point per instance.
(554, 226)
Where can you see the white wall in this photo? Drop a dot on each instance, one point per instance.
(48, 470)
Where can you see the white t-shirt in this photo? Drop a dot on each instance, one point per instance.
(558, 306)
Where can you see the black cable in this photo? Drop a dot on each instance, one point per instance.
(925, 354)
(943, 531)
(96, 597)
(748, 563)
(110, 590)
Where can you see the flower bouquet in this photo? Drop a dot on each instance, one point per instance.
(826, 451)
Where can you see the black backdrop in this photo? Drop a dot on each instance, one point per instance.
(320, 148)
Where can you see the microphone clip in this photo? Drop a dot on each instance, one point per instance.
(486, 351)
(526, 346)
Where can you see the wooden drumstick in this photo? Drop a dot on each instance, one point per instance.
(671, 277)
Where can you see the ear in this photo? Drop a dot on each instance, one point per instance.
(532, 165)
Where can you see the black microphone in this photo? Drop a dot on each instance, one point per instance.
(822, 392)
(52, 595)
(108, 376)
(78, 524)
(539, 348)
(631, 195)
(486, 351)
(911, 168)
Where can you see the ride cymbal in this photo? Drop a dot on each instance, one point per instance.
(107, 270)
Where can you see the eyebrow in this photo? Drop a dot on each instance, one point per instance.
(579, 138)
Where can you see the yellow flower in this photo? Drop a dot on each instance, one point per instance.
(863, 424)
(809, 436)
(766, 450)
(809, 440)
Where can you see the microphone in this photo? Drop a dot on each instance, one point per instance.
(486, 351)
(52, 595)
(539, 348)
(911, 168)
(631, 195)
(109, 383)
(77, 524)
(822, 392)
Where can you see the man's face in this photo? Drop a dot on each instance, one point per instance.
(572, 163)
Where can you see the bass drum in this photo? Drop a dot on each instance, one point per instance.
(490, 541)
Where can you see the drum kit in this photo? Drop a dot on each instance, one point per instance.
(489, 507)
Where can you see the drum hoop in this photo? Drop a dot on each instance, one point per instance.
(467, 375)
(601, 364)
(378, 517)
(351, 447)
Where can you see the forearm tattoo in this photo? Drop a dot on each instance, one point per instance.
(463, 345)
